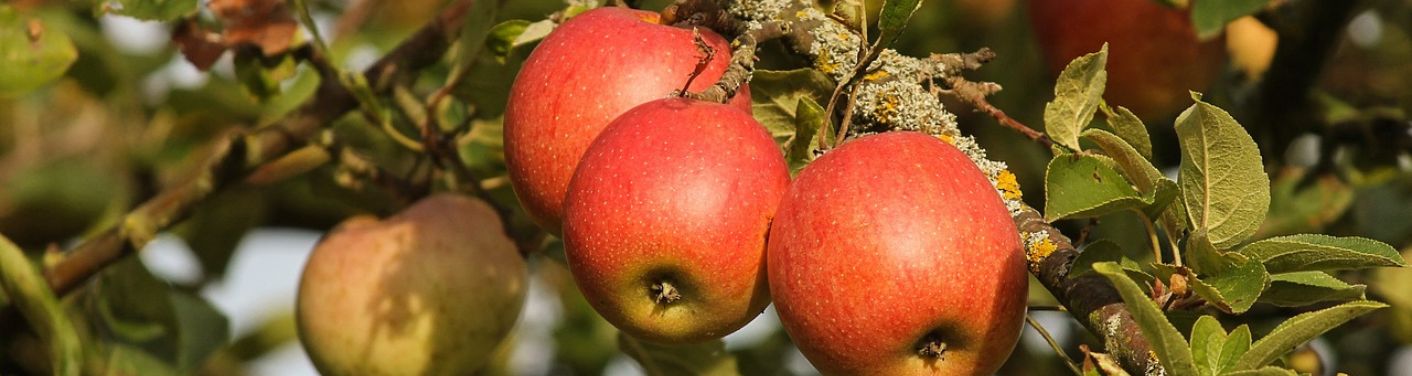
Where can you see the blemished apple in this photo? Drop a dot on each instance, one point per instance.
(591, 69)
(666, 217)
(893, 255)
(1154, 56)
(431, 290)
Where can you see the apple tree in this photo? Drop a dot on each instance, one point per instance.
(1184, 187)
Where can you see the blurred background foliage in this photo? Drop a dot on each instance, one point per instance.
(132, 115)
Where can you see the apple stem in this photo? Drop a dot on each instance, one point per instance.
(664, 293)
(707, 53)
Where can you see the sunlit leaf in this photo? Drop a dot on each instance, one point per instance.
(809, 118)
(1210, 17)
(1081, 186)
(1301, 289)
(893, 19)
(1223, 181)
(1077, 93)
(1321, 252)
(1207, 340)
(775, 97)
(1129, 127)
(708, 358)
(155, 10)
(1300, 329)
(31, 54)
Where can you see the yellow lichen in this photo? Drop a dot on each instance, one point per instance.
(949, 139)
(1007, 185)
(1038, 251)
(825, 64)
(876, 76)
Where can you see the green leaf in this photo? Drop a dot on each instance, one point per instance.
(1234, 288)
(1077, 93)
(809, 119)
(1210, 17)
(152, 10)
(474, 32)
(131, 307)
(1301, 289)
(1267, 371)
(1223, 182)
(1106, 251)
(1169, 345)
(201, 329)
(215, 229)
(508, 35)
(1207, 340)
(893, 18)
(708, 358)
(1321, 252)
(1237, 343)
(1083, 186)
(1300, 329)
(775, 98)
(37, 304)
(1129, 127)
(31, 54)
(1137, 168)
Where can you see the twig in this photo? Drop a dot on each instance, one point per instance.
(975, 93)
(1058, 350)
(240, 154)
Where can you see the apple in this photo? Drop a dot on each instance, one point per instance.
(431, 290)
(665, 220)
(893, 255)
(591, 69)
(1154, 57)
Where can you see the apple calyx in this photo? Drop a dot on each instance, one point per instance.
(664, 293)
(932, 348)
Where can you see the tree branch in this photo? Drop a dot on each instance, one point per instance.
(238, 155)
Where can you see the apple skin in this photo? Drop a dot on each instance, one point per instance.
(432, 290)
(591, 69)
(890, 240)
(681, 191)
(1154, 57)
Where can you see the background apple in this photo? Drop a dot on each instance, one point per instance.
(893, 255)
(591, 69)
(1154, 57)
(432, 290)
(666, 217)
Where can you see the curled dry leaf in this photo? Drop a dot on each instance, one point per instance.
(201, 47)
(268, 24)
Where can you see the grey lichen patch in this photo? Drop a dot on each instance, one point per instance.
(835, 48)
(902, 67)
(758, 10)
(892, 94)
(904, 105)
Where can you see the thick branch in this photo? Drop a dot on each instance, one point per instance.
(240, 154)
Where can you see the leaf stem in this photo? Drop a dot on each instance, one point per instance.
(27, 291)
(1152, 236)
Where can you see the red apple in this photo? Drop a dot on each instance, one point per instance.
(1154, 57)
(893, 255)
(432, 290)
(591, 69)
(665, 220)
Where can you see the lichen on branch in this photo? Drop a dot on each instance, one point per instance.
(898, 92)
